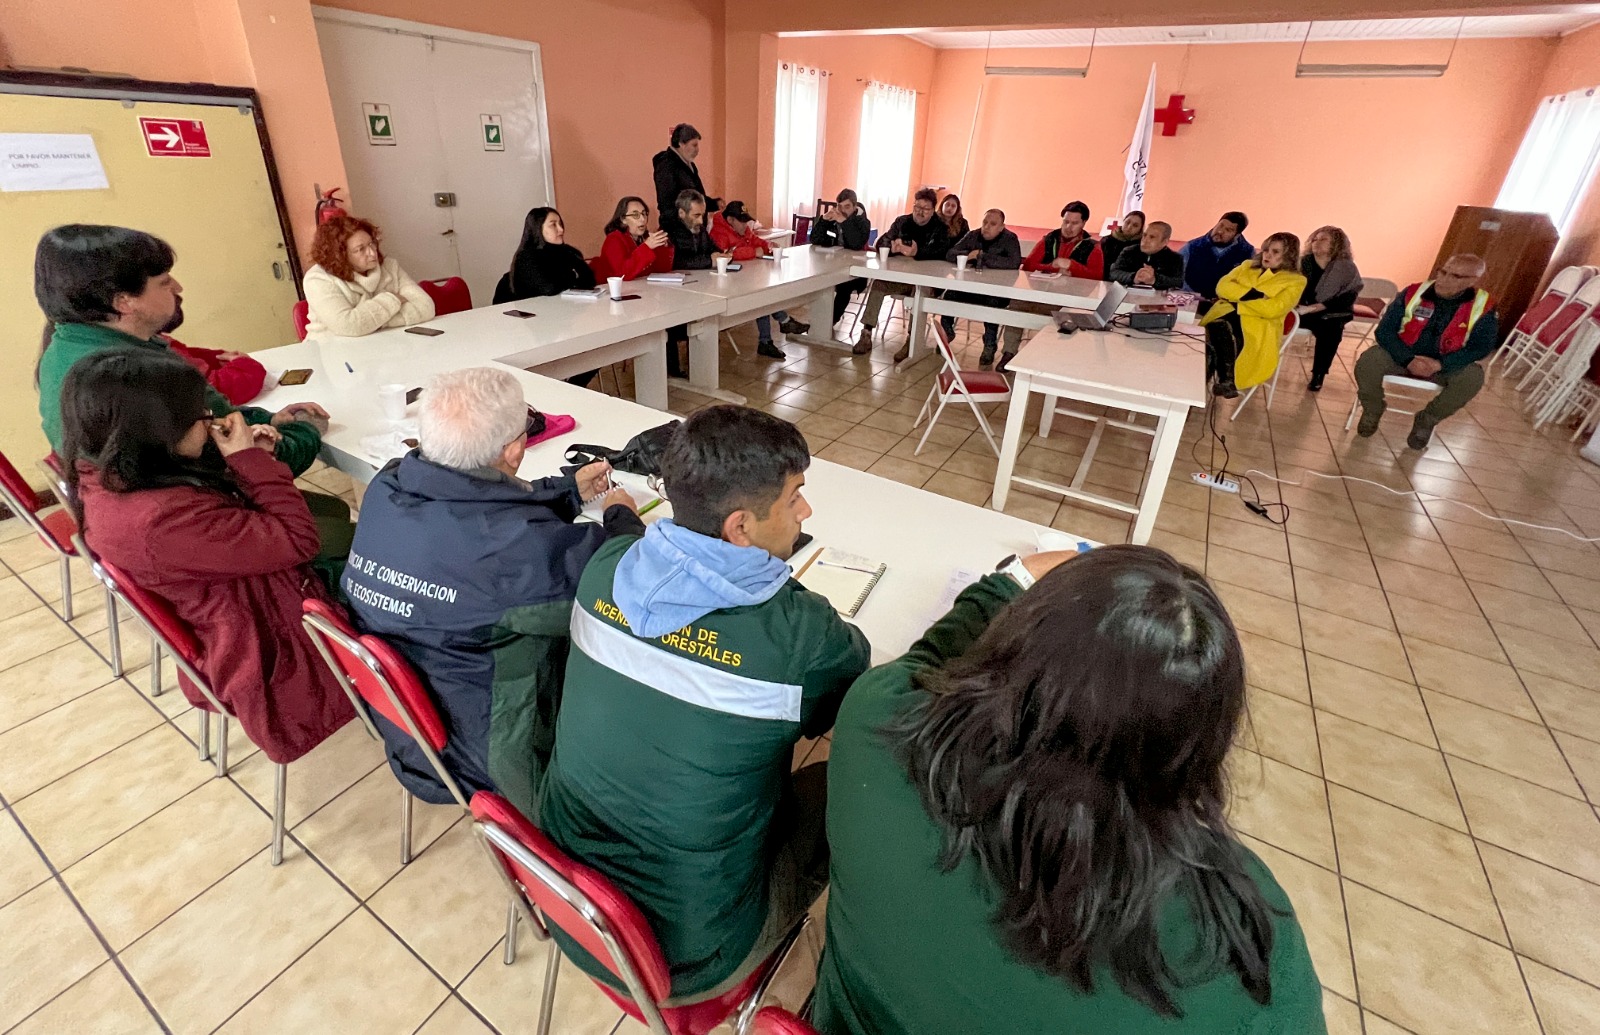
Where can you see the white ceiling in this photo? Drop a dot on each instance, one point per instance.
(1269, 32)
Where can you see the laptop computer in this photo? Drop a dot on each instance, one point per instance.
(1097, 320)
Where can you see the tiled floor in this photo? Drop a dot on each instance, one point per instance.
(1421, 770)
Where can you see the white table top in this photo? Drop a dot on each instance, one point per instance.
(921, 536)
(1069, 292)
(801, 267)
(1170, 368)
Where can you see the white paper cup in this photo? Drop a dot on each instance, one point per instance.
(392, 400)
(614, 285)
(722, 263)
(777, 251)
(961, 263)
(1051, 541)
(883, 254)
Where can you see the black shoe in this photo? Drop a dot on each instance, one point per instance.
(1225, 390)
(793, 327)
(1316, 383)
(766, 348)
(1421, 431)
(987, 359)
(1369, 422)
(1004, 366)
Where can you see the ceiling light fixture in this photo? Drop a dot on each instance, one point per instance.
(1038, 70)
(1373, 70)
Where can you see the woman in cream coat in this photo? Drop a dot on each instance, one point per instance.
(353, 290)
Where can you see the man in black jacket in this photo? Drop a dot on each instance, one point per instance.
(1152, 264)
(916, 235)
(675, 171)
(990, 247)
(845, 225)
(692, 249)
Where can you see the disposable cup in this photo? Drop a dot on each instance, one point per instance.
(614, 285)
(392, 400)
(722, 263)
(961, 263)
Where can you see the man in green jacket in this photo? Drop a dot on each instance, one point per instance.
(109, 287)
(697, 663)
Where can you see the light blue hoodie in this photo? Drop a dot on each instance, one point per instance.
(674, 576)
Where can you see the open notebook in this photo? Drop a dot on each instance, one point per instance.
(846, 579)
(638, 486)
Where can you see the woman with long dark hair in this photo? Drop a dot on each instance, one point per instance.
(1027, 816)
(951, 216)
(630, 250)
(196, 510)
(1244, 326)
(1329, 300)
(544, 263)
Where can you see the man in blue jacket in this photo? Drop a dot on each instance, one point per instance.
(1210, 257)
(470, 572)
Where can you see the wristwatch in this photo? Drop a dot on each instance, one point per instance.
(1018, 571)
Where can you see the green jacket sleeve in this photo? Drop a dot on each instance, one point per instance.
(842, 654)
(530, 657)
(299, 442)
(1479, 344)
(974, 609)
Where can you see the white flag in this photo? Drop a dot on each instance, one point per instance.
(1139, 152)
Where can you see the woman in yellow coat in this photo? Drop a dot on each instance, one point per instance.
(1245, 324)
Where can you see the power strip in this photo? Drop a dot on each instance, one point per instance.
(1215, 481)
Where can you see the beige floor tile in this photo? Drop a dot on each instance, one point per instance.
(1275, 666)
(1421, 863)
(510, 996)
(1421, 583)
(1371, 698)
(1261, 574)
(1566, 1005)
(45, 947)
(358, 974)
(1337, 531)
(1182, 520)
(1389, 768)
(1369, 646)
(1575, 589)
(1343, 597)
(903, 471)
(35, 632)
(218, 951)
(1341, 1015)
(1470, 678)
(46, 748)
(1481, 542)
(357, 834)
(1550, 656)
(1091, 524)
(1190, 551)
(21, 868)
(101, 1004)
(1282, 729)
(448, 905)
(1510, 607)
(1541, 906)
(932, 455)
(197, 840)
(1260, 540)
(1522, 817)
(1280, 805)
(1039, 509)
(1423, 555)
(1584, 757)
(1319, 906)
(1501, 742)
(454, 1018)
(1260, 613)
(35, 686)
(1564, 706)
(1434, 978)
(90, 806)
(874, 440)
(1329, 559)
(849, 455)
(959, 487)
(1377, 1025)
(1503, 574)
(315, 779)
(1458, 630)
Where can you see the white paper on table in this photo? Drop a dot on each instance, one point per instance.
(50, 161)
(382, 448)
(959, 580)
(638, 487)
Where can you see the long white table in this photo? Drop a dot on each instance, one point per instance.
(924, 538)
(1164, 376)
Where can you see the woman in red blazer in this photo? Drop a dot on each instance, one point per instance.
(198, 511)
(630, 250)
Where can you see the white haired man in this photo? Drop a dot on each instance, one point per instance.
(470, 572)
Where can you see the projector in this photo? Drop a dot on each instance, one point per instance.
(1153, 319)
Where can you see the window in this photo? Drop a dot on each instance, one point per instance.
(797, 140)
(1557, 159)
(888, 123)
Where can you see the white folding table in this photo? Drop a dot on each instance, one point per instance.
(1164, 376)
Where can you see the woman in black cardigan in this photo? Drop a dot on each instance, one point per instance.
(1328, 303)
(545, 264)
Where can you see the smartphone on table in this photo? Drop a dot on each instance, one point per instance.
(295, 377)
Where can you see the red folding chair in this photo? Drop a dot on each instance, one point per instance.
(449, 294)
(774, 1020)
(374, 675)
(302, 319)
(545, 881)
(54, 529)
(970, 386)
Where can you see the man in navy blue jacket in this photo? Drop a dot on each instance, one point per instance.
(1210, 257)
(470, 572)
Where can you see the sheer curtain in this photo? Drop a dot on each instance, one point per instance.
(797, 140)
(888, 123)
(1557, 159)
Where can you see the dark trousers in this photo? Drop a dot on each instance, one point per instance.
(1459, 386)
(1224, 338)
(677, 337)
(842, 293)
(1327, 331)
(335, 531)
(991, 331)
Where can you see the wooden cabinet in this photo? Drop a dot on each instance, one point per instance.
(1517, 247)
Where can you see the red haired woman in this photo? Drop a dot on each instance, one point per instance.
(352, 289)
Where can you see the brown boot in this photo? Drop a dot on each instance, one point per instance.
(863, 343)
(903, 353)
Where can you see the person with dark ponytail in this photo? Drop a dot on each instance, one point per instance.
(675, 172)
(1027, 816)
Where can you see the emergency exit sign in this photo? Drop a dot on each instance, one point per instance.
(493, 133)
(380, 126)
(175, 138)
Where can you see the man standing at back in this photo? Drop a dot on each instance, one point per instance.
(469, 572)
(698, 663)
(1210, 257)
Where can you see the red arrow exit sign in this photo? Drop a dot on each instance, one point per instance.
(175, 138)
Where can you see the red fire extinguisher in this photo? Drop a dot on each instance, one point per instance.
(330, 206)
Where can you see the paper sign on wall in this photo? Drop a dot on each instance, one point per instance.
(493, 133)
(50, 161)
(380, 127)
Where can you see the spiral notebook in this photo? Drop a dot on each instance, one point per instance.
(846, 579)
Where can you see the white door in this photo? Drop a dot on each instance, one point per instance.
(440, 88)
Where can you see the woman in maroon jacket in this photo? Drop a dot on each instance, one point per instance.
(630, 250)
(192, 510)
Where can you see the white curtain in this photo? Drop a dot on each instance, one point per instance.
(1557, 159)
(888, 123)
(797, 141)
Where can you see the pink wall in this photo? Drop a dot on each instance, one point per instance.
(853, 60)
(1387, 159)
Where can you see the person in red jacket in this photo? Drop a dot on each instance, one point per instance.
(197, 511)
(238, 377)
(630, 250)
(734, 230)
(1070, 250)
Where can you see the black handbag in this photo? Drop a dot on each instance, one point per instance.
(642, 454)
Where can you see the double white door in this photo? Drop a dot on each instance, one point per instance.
(444, 138)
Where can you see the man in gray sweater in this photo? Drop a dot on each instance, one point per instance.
(990, 247)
